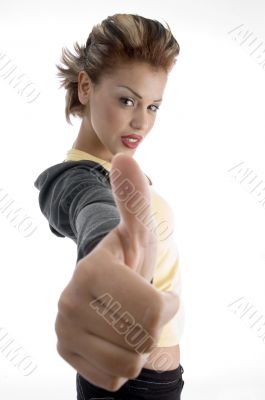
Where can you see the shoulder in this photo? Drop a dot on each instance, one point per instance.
(85, 166)
(72, 171)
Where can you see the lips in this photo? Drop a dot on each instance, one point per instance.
(133, 136)
(131, 144)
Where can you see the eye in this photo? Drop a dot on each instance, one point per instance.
(156, 108)
(128, 99)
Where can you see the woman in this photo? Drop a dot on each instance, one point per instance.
(115, 84)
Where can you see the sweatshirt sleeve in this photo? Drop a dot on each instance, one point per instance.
(93, 213)
(77, 200)
(91, 209)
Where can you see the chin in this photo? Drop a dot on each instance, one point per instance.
(129, 152)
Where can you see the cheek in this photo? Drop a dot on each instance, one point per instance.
(100, 117)
(108, 116)
(114, 115)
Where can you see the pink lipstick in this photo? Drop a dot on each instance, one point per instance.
(131, 141)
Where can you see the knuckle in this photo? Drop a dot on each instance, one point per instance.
(131, 367)
(57, 327)
(60, 349)
(84, 267)
(65, 306)
(64, 352)
(65, 334)
(115, 384)
(133, 370)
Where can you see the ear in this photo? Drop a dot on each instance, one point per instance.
(84, 85)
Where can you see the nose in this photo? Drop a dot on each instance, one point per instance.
(140, 120)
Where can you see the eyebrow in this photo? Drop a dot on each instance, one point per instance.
(136, 94)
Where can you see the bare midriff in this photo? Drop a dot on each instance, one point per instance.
(163, 358)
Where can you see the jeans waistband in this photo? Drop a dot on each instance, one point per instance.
(161, 376)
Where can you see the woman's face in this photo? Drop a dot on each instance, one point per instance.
(113, 111)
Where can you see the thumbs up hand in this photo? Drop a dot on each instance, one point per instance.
(109, 294)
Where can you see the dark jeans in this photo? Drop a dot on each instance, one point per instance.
(149, 384)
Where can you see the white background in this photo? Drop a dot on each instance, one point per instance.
(212, 119)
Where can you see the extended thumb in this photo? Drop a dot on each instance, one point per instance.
(132, 196)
